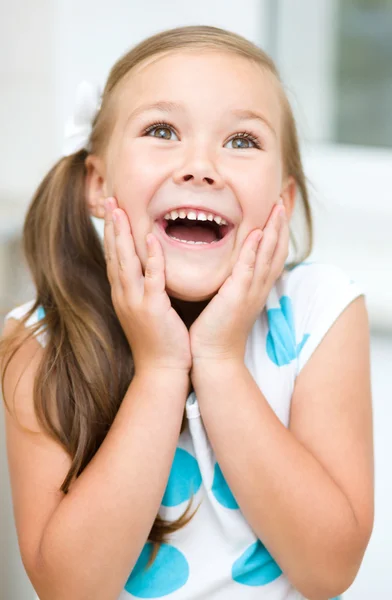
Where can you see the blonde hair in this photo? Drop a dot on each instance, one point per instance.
(81, 374)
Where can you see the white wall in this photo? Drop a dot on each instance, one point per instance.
(305, 50)
(27, 113)
(26, 149)
(352, 205)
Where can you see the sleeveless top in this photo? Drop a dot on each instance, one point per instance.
(217, 555)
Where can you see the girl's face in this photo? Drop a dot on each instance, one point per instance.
(197, 157)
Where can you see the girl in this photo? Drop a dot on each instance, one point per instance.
(182, 363)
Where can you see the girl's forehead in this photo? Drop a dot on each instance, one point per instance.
(203, 76)
(195, 65)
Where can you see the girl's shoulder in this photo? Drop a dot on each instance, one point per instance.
(306, 301)
(20, 311)
(307, 278)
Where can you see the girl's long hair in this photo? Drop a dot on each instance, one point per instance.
(87, 363)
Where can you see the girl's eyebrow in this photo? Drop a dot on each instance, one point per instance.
(168, 107)
(250, 115)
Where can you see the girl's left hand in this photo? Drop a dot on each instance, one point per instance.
(221, 330)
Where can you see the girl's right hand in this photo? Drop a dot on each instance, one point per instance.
(156, 334)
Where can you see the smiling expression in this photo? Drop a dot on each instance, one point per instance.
(199, 130)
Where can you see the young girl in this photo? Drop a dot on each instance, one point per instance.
(183, 363)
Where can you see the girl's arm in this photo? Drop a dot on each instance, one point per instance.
(86, 543)
(306, 490)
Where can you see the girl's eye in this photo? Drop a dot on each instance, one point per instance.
(245, 136)
(164, 130)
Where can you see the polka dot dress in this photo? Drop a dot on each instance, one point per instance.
(217, 556)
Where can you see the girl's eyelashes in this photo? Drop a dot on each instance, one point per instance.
(247, 135)
(158, 125)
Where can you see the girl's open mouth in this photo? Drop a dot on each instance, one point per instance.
(188, 229)
(193, 232)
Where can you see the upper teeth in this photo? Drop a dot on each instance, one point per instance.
(193, 215)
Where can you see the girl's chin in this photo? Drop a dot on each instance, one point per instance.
(190, 295)
(192, 290)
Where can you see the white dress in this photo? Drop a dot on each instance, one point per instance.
(217, 556)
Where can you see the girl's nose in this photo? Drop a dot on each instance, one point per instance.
(200, 171)
(188, 177)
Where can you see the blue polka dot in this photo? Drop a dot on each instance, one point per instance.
(40, 313)
(184, 479)
(255, 567)
(169, 572)
(221, 490)
(281, 339)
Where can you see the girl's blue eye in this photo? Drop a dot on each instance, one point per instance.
(160, 129)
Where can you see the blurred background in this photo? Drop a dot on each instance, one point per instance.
(335, 58)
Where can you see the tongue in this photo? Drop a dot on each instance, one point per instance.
(192, 233)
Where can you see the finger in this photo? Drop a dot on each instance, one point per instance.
(282, 248)
(269, 241)
(243, 271)
(129, 269)
(154, 276)
(271, 249)
(110, 244)
(108, 207)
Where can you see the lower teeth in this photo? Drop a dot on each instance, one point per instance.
(187, 241)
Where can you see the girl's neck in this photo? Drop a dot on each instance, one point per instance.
(188, 311)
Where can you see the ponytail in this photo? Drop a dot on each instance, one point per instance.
(88, 363)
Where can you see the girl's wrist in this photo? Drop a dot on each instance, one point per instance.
(154, 373)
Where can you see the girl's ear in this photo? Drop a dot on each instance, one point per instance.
(288, 195)
(95, 190)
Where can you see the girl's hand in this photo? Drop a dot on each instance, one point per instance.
(157, 336)
(221, 330)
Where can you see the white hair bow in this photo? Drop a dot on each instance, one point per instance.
(78, 128)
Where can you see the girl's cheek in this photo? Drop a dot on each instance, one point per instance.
(259, 202)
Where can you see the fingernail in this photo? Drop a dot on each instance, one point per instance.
(114, 217)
